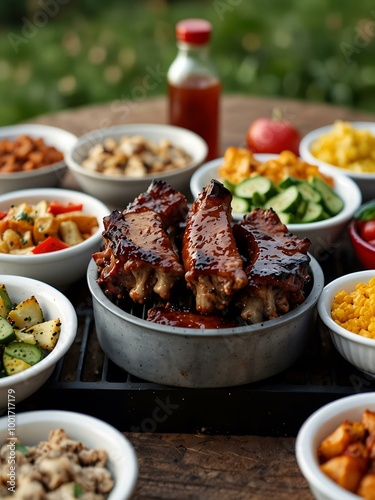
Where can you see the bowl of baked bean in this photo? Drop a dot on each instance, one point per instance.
(347, 309)
(32, 155)
(117, 163)
(346, 147)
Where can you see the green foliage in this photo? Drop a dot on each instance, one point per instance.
(55, 56)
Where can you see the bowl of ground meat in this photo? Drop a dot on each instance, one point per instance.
(63, 454)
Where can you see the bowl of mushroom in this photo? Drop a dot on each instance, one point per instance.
(117, 163)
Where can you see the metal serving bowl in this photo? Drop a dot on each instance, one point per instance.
(188, 357)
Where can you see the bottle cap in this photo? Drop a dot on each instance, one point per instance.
(195, 31)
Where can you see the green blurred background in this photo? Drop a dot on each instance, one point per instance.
(57, 54)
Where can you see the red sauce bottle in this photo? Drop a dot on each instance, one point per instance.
(193, 85)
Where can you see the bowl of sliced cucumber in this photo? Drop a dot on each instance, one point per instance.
(38, 324)
(311, 207)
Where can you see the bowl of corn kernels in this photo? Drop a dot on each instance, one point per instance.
(346, 147)
(346, 308)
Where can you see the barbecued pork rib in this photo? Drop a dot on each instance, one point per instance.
(276, 266)
(189, 319)
(137, 256)
(213, 265)
(160, 197)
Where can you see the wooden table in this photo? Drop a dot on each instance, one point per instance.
(186, 466)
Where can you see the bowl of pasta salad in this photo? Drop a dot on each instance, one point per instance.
(49, 234)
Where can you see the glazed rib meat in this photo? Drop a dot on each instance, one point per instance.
(138, 256)
(160, 197)
(276, 266)
(189, 319)
(212, 263)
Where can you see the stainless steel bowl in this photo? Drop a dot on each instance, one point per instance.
(198, 358)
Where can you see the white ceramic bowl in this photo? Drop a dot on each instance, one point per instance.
(35, 426)
(322, 234)
(358, 350)
(49, 176)
(64, 267)
(365, 181)
(192, 357)
(54, 305)
(118, 191)
(316, 428)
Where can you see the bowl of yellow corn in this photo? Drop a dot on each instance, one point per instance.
(345, 147)
(347, 308)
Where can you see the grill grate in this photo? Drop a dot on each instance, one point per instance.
(87, 381)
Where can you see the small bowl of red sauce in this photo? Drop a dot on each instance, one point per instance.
(362, 234)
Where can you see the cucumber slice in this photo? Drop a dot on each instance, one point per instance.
(308, 193)
(256, 184)
(14, 365)
(313, 213)
(286, 201)
(301, 209)
(46, 334)
(258, 200)
(30, 354)
(26, 313)
(285, 217)
(6, 331)
(331, 201)
(229, 185)
(5, 302)
(240, 205)
(287, 182)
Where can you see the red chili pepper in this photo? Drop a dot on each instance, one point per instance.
(55, 207)
(50, 244)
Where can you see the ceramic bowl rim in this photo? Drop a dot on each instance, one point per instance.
(117, 130)
(266, 326)
(55, 193)
(310, 137)
(70, 329)
(351, 204)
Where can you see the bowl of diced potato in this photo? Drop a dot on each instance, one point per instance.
(32, 156)
(334, 449)
(38, 324)
(49, 234)
(346, 308)
(345, 147)
(310, 201)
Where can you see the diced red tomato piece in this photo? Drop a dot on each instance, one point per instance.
(367, 231)
(372, 243)
(50, 244)
(55, 207)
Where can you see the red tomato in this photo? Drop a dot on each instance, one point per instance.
(367, 230)
(272, 135)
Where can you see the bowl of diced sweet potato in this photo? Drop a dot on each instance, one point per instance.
(335, 449)
(32, 155)
(347, 309)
